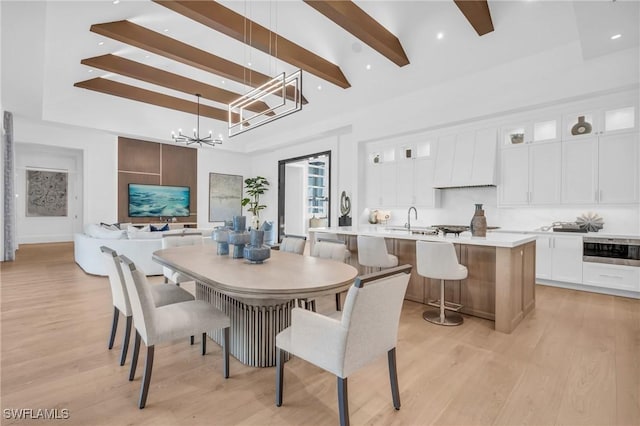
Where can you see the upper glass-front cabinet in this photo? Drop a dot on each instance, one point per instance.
(601, 121)
(544, 130)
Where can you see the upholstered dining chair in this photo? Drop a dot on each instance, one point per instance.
(165, 323)
(291, 244)
(161, 294)
(179, 240)
(328, 249)
(367, 329)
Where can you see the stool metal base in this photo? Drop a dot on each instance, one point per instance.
(450, 319)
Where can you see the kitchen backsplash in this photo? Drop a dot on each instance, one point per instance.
(457, 206)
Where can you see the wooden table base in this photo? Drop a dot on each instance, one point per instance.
(254, 325)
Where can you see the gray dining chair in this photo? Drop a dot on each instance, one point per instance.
(161, 294)
(179, 240)
(367, 329)
(156, 325)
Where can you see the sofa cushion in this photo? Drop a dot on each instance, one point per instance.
(162, 228)
(96, 231)
(136, 234)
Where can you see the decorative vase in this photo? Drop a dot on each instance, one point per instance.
(581, 127)
(479, 222)
(221, 236)
(256, 251)
(239, 237)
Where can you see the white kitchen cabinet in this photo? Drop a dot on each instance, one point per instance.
(610, 120)
(530, 174)
(559, 258)
(544, 129)
(381, 184)
(466, 159)
(600, 169)
(415, 181)
(619, 277)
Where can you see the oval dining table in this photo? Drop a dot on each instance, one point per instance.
(258, 298)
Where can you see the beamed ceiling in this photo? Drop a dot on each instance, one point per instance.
(133, 68)
(216, 17)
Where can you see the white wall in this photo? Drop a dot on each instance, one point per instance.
(295, 199)
(40, 229)
(217, 161)
(99, 163)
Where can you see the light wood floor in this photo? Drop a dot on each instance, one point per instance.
(574, 361)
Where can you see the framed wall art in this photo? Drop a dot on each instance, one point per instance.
(47, 193)
(225, 196)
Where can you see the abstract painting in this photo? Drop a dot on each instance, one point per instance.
(47, 193)
(225, 196)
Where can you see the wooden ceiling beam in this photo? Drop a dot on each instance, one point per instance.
(478, 14)
(135, 35)
(127, 91)
(217, 17)
(356, 21)
(138, 71)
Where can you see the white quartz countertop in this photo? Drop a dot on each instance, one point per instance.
(578, 234)
(493, 239)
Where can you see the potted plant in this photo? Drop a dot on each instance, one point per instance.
(254, 188)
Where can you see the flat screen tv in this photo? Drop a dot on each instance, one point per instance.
(158, 200)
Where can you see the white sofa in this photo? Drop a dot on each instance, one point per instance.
(139, 250)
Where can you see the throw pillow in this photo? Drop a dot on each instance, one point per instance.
(156, 229)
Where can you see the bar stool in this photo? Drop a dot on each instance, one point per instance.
(438, 259)
(372, 253)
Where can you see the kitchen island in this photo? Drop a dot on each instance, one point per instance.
(501, 281)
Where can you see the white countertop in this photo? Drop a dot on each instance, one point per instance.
(579, 234)
(493, 239)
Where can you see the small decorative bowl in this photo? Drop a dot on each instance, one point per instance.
(517, 138)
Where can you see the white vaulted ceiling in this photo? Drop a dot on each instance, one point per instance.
(44, 42)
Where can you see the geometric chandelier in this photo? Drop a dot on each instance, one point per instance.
(208, 140)
(281, 96)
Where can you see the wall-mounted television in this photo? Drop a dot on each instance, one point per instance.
(158, 200)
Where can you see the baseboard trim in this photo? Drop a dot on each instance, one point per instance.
(590, 289)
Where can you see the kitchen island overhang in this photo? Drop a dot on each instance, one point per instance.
(501, 281)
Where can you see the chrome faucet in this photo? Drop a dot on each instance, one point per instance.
(408, 225)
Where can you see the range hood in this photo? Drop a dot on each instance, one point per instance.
(467, 159)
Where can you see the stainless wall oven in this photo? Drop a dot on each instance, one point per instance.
(617, 251)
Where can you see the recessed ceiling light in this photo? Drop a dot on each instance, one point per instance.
(100, 43)
(368, 67)
(222, 81)
(319, 87)
(166, 30)
(116, 1)
(147, 56)
(249, 63)
(90, 71)
(439, 36)
(616, 36)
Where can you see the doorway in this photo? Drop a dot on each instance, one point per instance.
(304, 188)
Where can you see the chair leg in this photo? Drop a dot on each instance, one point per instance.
(393, 378)
(279, 375)
(114, 326)
(192, 340)
(166, 280)
(125, 340)
(148, 366)
(225, 353)
(343, 403)
(134, 358)
(312, 305)
(338, 304)
(204, 343)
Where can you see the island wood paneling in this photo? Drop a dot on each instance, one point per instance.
(500, 285)
(157, 164)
